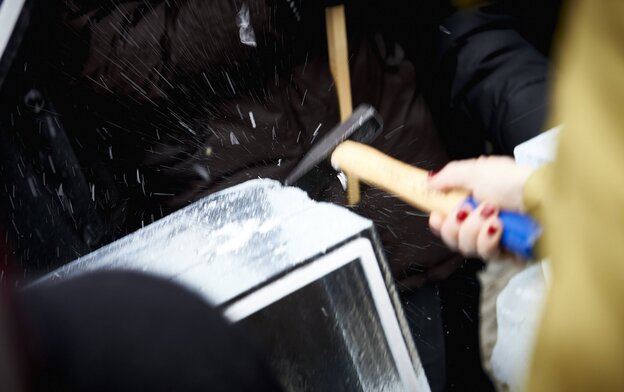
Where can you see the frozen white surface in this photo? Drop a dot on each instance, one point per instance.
(231, 242)
(9, 14)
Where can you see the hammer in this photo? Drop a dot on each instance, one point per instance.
(362, 163)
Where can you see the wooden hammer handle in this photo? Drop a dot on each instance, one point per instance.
(409, 183)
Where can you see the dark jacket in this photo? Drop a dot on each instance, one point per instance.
(492, 76)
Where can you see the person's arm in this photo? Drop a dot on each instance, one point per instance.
(492, 75)
(579, 346)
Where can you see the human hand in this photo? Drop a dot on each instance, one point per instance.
(496, 182)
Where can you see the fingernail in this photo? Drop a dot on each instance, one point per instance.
(433, 173)
(461, 215)
(487, 211)
(492, 230)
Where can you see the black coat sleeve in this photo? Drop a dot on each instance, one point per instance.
(493, 76)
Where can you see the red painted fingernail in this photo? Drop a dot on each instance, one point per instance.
(487, 211)
(461, 215)
(433, 173)
(492, 230)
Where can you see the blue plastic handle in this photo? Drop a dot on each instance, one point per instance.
(520, 231)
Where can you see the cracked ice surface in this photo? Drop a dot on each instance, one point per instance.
(230, 242)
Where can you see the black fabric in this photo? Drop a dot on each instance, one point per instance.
(129, 332)
(536, 20)
(14, 348)
(423, 312)
(460, 297)
(48, 201)
(493, 82)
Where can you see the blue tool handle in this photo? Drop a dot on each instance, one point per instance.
(520, 231)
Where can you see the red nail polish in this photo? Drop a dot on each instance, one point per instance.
(433, 173)
(487, 211)
(492, 230)
(461, 215)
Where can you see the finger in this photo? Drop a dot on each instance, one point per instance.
(488, 241)
(451, 226)
(469, 231)
(435, 222)
(455, 175)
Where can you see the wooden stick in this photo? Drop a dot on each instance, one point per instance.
(353, 189)
(338, 49)
(407, 182)
(339, 57)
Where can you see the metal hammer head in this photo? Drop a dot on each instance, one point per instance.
(313, 171)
